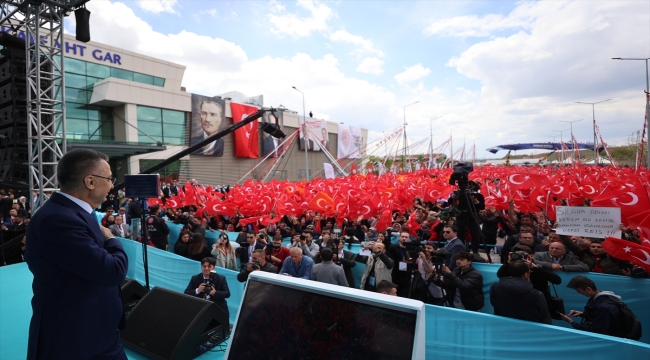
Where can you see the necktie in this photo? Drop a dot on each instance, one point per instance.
(121, 229)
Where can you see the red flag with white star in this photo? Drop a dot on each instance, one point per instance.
(627, 250)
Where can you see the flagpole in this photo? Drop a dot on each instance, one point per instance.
(304, 117)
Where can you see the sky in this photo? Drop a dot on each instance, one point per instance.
(490, 72)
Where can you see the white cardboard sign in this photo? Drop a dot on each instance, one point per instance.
(597, 222)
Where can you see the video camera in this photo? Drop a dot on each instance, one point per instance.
(437, 262)
(460, 176)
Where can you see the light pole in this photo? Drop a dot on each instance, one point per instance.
(593, 114)
(405, 127)
(561, 144)
(304, 135)
(647, 101)
(573, 150)
(451, 147)
(431, 140)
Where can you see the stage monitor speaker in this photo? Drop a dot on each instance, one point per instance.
(132, 293)
(170, 325)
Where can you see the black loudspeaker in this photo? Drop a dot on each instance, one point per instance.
(82, 16)
(132, 293)
(170, 325)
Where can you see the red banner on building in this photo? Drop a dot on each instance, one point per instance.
(247, 143)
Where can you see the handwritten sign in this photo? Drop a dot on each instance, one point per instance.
(597, 222)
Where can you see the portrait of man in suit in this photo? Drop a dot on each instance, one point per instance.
(304, 134)
(78, 267)
(325, 141)
(210, 117)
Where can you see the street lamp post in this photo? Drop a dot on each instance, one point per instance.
(405, 127)
(304, 117)
(431, 140)
(593, 114)
(561, 145)
(573, 150)
(647, 100)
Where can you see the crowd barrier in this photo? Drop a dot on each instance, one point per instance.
(173, 272)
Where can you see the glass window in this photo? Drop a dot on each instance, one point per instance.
(173, 117)
(74, 66)
(142, 78)
(149, 114)
(97, 70)
(92, 80)
(159, 81)
(94, 114)
(173, 130)
(76, 111)
(149, 128)
(75, 81)
(76, 128)
(76, 95)
(121, 74)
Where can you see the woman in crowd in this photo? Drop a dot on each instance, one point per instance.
(108, 220)
(197, 248)
(182, 244)
(224, 252)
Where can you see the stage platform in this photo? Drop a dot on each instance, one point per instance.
(450, 333)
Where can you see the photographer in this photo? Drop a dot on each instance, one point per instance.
(539, 276)
(464, 283)
(304, 242)
(259, 263)
(245, 252)
(424, 289)
(378, 268)
(401, 258)
(209, 285)
(157, 228)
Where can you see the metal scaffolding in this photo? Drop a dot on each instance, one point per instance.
(43, 20)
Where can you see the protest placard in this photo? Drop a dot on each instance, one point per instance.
(596, 222)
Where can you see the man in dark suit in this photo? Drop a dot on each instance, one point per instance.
(346, 259)
(211, 118)
(246, 252)
(78, 267)
(217, 293)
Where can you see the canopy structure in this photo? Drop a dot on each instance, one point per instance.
(544, 146)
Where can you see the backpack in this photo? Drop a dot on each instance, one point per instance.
(629, 327)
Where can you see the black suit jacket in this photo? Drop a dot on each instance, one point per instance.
(243, 256)
(166, 192)
(218, 146)
(77, 307)
(220, 284)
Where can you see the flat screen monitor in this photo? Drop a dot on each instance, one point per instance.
(287, 318)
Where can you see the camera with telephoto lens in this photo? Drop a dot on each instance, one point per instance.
(437, 262)
(519, 255)
(256, 265)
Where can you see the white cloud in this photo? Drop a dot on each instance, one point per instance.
(362, 45)
(412, 73)
(371, 65)
(212, 12)
(296, 26)
(158, 6)
(216, 66)
(276, 6)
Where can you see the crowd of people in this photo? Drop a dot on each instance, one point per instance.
(423, 240)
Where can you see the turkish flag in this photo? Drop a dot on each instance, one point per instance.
(385, 221)
(630, 202)
(154, 201)
(321, 202)
(412, 225)
(247, 143)
(635, 220)
(217, 207)
(627, 250)
(174, 202)
(526, 181)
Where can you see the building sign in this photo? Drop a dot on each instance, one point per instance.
(71, 48)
